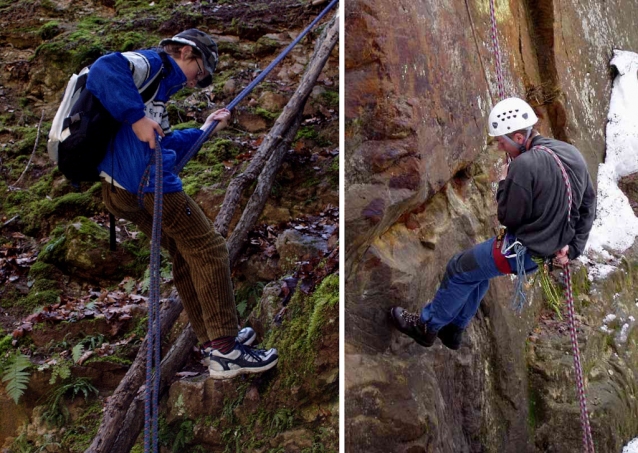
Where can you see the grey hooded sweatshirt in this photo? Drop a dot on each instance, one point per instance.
(532, 200)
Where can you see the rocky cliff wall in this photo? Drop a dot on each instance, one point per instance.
(420, 81)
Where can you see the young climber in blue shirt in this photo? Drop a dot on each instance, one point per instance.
(533, 204)
(201, 269)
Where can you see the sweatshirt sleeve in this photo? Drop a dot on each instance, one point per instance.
(181, 141)
(111, 81)
(587, 211)
(514, 203)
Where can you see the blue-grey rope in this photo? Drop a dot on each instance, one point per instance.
(200, 141)
(153, 351)
(521, 277)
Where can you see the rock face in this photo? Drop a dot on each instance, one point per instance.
(419, 188)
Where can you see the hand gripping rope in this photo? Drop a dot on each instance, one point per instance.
(153, 351)
(588, 443)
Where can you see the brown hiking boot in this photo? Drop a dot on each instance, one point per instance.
(411, 325)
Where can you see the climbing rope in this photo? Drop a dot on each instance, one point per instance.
(497, 53)
(153, 343)
(200, 141)
(588, 442)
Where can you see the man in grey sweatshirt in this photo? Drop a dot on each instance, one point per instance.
(546, 200)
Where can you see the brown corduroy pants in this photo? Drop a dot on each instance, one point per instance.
(201, 270)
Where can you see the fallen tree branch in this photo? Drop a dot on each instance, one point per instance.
(118, 403)
(172, 363)
(284, 122)
(260, 195)
(292, 113)
(124, 415)
(35, 147)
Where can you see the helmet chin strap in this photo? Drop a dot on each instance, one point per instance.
(522, 147)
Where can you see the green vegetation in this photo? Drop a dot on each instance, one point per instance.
(16, 375)
(553, 295)
(266, 114)
(175, 438)
(331, 99)
(207, 167)
(78, 436)
(56, 412)
(306, 132)
(297, 337)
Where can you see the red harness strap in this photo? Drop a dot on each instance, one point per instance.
(499, 259)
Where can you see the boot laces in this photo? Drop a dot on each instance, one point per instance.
(412, 318)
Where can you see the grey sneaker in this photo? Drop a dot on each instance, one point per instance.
(245, 336)
(241, 360)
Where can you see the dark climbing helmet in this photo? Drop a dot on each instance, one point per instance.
(204, 44)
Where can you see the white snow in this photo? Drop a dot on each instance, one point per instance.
(616, 225)
(631, 447)
(609, 318)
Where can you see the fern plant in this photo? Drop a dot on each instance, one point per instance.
(16, 375)
(56, 412)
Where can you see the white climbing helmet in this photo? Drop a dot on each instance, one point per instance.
(511, 115)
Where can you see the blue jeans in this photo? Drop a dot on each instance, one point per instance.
(464, 285)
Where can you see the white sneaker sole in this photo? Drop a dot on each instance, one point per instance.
(229, 374)
(249, 341)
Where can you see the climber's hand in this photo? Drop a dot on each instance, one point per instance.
(561, 256)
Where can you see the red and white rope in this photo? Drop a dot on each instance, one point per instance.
(588, 443)
(565, 177)
(497, 53)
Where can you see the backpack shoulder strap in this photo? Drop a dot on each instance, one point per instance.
(149, 91)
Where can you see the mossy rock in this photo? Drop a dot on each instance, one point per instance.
(83, 250)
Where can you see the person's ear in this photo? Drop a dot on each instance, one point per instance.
(185, 52)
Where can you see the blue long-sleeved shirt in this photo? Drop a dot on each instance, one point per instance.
(114, 79)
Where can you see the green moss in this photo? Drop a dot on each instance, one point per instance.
(331, 99)
(111, 359)
(49, 30)
(40, 298)
(24, 139)
(266, 46)
(297, 337)
(306, 132)
(268, 115)
(326, 296)
(69, 205)
(187, 125)
(78, 436)
(5, 348)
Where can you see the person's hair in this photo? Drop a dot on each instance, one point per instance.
(175, 49)
(523, 132)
